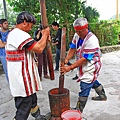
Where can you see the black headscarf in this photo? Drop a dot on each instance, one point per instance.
(25, 16)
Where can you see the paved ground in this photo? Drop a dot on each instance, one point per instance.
(94, 110)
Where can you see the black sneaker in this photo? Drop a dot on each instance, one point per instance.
(75, 78)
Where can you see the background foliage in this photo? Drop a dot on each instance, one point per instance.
(65, 12)
(62, 11)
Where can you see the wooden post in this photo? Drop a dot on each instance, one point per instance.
(48, 47)
(117, 14)
(62, 59)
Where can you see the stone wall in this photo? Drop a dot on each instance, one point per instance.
(107, 49)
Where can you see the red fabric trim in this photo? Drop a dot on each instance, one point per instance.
(17, 55)
(80, 27)
(12, 29)
(87, 37)
(74, 41)
(81, 72)
(91, 50)
(23, 43)
(15, 59)
(32, 46)
(24, 80)
(28, 76)
(14, 52)
(97, 70)
(36, 85)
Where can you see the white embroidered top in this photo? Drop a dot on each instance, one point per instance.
(22, 71)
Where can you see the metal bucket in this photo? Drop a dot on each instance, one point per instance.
(59, 102)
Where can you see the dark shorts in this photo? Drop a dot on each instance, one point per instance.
(24, 105)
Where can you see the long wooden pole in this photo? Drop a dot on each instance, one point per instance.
(48, 47)
(62, 59)
(117, 14)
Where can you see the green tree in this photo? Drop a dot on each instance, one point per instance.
(26, 5)
(63, 11)
(1, 11)
(11, 14)
(90, 13)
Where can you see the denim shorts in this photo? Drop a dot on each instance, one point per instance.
(86, 87)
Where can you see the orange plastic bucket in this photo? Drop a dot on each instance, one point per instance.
(71, 115)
